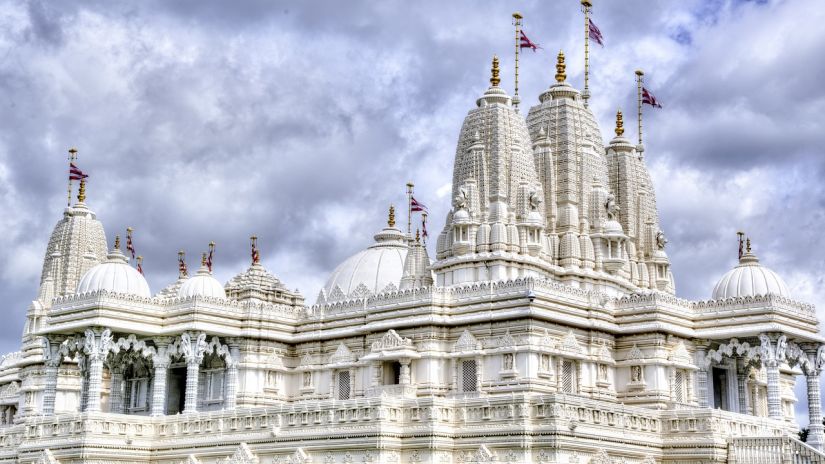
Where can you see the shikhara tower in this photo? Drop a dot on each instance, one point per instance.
(546, 330)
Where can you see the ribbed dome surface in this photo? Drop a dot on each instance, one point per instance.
(116, 276)
(372, 269)
(749, 278)
(202, 284)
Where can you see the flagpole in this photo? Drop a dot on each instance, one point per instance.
(586, 6)
(410, 186)
(639, 76)
(424, 226)
(72, 158)
(517, 17)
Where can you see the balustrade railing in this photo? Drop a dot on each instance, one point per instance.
(772, 450)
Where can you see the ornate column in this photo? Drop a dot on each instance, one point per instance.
(404, 377)
(232, 376)
(702, 376)
(193, 351)
(742, 384)
(116, 395)
(160, 361)
(96, 347)
(376, 374)
(771, 358)
(52, 358)
(812, 374)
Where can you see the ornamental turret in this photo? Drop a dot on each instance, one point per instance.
(498, 202)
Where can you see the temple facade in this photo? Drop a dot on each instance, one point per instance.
(546, 330)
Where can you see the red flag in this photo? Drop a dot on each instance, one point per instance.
(527, 43)
(182, 271)
(209, 258)
(140, 264)
(595, 33)
(130, 247)
(416, 206)
(648, 98)
(424, 227)
(75, 173)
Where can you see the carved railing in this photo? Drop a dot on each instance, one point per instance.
(772, 450)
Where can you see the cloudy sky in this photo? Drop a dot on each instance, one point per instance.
(301, 122)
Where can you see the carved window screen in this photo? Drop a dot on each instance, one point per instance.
(138, 394)
(214, 385)
(679, 386)
(343, 385)
(469, 375)
(568, 377)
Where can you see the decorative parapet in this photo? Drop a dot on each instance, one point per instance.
(777, 302)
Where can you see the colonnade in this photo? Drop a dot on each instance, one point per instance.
(97, 347)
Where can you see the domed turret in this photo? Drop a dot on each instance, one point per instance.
(202, 284)
(256, 283)
(371, 271)
(749, 278)
(114, 275)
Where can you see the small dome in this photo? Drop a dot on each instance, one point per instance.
(369, 271)
(749, 278)
(114, 275)
(461, 217)
(202, 284)
(612, 226)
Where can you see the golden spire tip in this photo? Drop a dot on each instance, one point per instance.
(517, 15)
(494, 80)
(117, 242)
(391, 218)
(619, 124)
(560, 68)
(748, 245)
(639, 72)
(203, 259)
(81, 193)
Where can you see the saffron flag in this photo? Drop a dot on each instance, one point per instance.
(75, 173)
(648, 98)
(595, 33)
(416, 206)
(527, 43)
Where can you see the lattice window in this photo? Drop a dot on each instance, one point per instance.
(214, 385)
(469, 375)
(568, 377)
(679, 386)
(343, 385)
(138, 389)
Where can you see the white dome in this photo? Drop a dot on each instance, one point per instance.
(370, 270)
(749, 278)
(114, 275)
(202, 284)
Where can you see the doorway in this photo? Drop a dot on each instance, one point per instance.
(720, 389)
(176, 390)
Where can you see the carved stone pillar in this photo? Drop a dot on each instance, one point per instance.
(96, 348)
(815, 429)
(232, 377)
(376, 374)
(193, 351)
(774, 396)
(160, 361)
(53, 360)
(116, 394)
(742, 384)
(404, 377)
(702, 377)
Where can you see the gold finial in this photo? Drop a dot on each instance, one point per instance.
(619, 124)
(494, 80)
(587, 3)
(391, 218)
(182, 271)
(639, 72)
(117, 242)
(203, 259)
(560, 67)
(256, 256)
(517, 15)
(748, 245)
(73, 152)
(417, 235)
(81, 194)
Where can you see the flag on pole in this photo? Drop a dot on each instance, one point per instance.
(75, 173)
(209, 257)
(256, 256)
(648, 98)
(595, 33)
(182, 270)
(424, 227)
(130, 247)
(527, 43)
(415, 205)
(140, 264)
